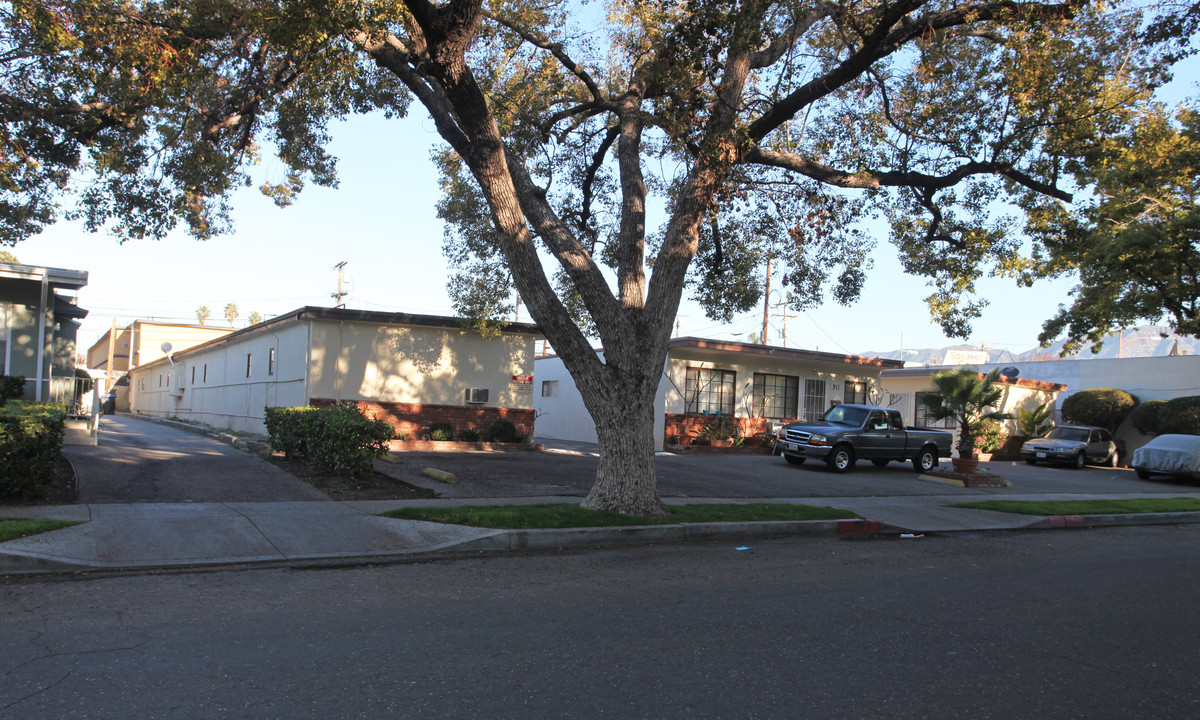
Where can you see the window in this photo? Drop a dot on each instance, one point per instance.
(549, 388)
(160, 380)
(193, 374)
(814, 399)
(249, 357)
(922, 418)
(708, 390)
(4, 339)
(856, 392)
(271, 361)
(205, 373)
(775, 396)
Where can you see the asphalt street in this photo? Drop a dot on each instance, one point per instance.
(1079, 624)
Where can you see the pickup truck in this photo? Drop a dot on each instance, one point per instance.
(848, 432)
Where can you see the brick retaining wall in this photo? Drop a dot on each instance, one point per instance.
(413, 419)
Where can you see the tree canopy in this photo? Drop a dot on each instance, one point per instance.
(599, 161)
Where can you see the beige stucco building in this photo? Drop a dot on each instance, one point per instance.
(409, 369)
(139, 343)
(759, 386)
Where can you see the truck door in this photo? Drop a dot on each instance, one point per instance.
(875, 436)
(897, 437)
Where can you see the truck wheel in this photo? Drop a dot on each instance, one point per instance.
(925, 460)
(793, 459)
(1080, 461)
(841, 459)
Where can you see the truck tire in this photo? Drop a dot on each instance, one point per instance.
(925, 460)
(794, 459)
(841, 459)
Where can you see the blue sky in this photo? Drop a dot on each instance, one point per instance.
(382, 222)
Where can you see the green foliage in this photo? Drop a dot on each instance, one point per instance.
(468, 435)
(989, 436)
(1134, 244)
(1036, 422)
(969, 399)
(340, 438)
(31, 436)
(1102, 407)
(231, 313)
(1180, 416)
(203, 314)
(1145, 417)
(503, 431)
(441, 431)
(12, 387)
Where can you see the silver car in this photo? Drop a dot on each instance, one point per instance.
(1076, 445)
(1177, 455)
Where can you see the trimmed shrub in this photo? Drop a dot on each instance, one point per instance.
(1102, 407)
(441, 431)
(1180, 415)
(12, 387)
(469, 435)
(31, 436)
(503, 431)
(1145, 417)
(340, 438)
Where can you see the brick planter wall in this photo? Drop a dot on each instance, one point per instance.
(411, 419)
(688, 427)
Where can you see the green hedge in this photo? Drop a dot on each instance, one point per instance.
(1102, 407)
(503, 431)
(1144, 417)
(340, 438)
(12, 387)
(31, 437)
(1180, 415)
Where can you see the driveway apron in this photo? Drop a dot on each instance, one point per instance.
(143, 462)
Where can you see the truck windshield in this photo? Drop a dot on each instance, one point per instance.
(845, 415)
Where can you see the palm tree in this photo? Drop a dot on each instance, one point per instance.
(203, 313)
(231, 313)
(968, 398)
(255, 317)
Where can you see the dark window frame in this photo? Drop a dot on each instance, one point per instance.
(709, 390)
(784, 404)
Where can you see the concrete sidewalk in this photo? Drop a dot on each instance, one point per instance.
(180, 535)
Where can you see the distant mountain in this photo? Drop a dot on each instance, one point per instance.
(1144, 341)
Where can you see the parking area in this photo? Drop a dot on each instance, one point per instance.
(555, 472)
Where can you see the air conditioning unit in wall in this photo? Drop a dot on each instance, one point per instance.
(176, 391)
(477, 396)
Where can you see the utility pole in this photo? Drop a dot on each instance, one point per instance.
(785, 315)
(677, 316)
(766, 301)
(337, 296)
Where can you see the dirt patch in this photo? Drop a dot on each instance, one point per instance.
(370, 485)
(61, 490)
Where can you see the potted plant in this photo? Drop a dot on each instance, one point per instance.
(720, 432)
(989, 438)
(968, 398)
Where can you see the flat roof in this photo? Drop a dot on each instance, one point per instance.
(929, 370)
(775, 351)
(58, 277)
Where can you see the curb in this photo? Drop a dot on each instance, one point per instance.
(1121, 520)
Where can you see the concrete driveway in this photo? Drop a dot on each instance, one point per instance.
(144, 462)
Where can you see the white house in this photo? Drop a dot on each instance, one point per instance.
(39, 322)
(409, 369)
(757, 385)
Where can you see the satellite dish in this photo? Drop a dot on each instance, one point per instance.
(166, 348)
(1010, 371)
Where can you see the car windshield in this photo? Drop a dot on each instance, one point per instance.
(845, 415)
(1069, 433)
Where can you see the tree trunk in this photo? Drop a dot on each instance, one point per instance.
(625, 479)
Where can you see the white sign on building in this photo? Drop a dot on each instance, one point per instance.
(965, 357)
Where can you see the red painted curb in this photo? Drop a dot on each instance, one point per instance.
(857, 527)
(1068, 521)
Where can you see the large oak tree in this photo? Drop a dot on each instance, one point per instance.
(599, 160)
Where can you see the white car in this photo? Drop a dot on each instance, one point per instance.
(1177, 455)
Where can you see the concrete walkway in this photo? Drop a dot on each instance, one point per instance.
(174, 535)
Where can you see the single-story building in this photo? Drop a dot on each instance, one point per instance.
(38, 328)
(904, 387)
(759, 386)
(139, 343)
(409, 369)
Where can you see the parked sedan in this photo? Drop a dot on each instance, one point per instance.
(1177, 455)
(1073, 444)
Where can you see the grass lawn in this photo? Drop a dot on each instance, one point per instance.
(568, 515)
(1087, 507)
(12, 528)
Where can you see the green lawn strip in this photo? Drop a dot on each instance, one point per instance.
(568, 515)
(1087, 507)
(12, 528)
